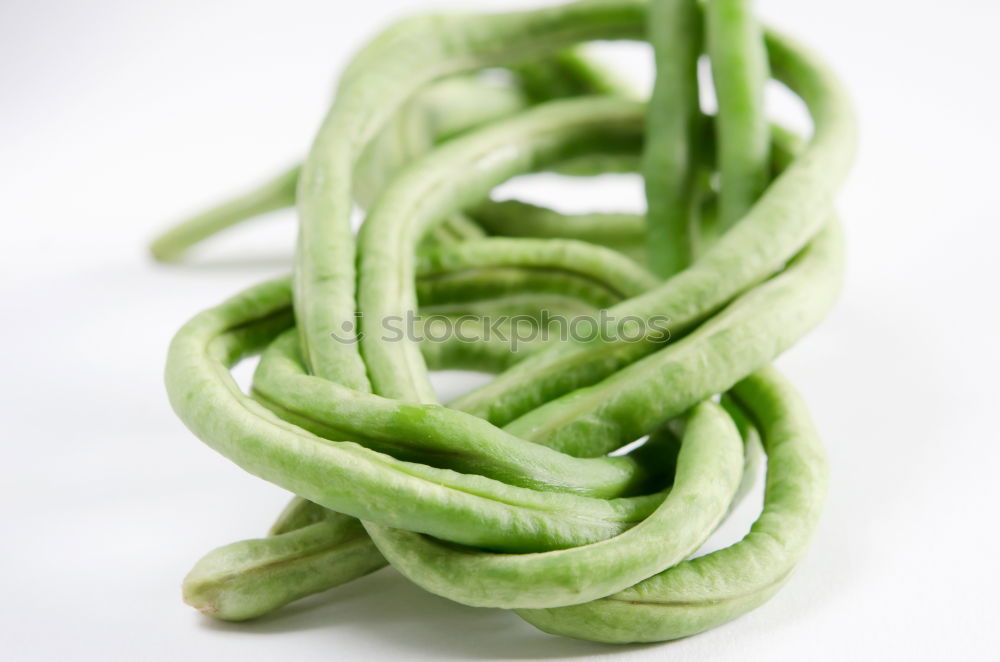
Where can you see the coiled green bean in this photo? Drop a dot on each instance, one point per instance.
(529, 493)
(792, 210)
(710, 590)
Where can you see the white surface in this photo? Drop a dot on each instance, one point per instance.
(117, 117)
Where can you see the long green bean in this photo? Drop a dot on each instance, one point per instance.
(574, 487)
(670, 161)
(793, 209)
(710, 590)
(739, 71)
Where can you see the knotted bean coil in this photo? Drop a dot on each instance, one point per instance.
(509, 497)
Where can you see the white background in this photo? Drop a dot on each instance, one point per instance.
(118, 117)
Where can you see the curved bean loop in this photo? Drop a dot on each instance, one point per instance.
(411, 54)
(710, 360)
(433, 435)
(707, 476)
(430, 190)
(575, 486)
(793, 209)
(349, 478)
(705, 592)
(446, 109)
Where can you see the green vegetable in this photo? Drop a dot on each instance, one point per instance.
(710, 590)
(670, 160)
(530, 493)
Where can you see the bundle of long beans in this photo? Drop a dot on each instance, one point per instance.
(513, 495)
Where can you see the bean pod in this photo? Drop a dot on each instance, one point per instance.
(575, 486)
